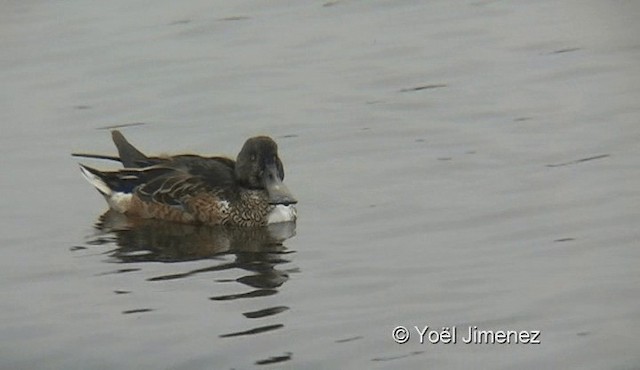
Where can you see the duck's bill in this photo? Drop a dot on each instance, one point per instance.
(277, 190)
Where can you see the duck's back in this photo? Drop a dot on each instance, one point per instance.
(215, 171)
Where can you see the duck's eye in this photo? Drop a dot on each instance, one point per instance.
(252, 158)
(275, 158)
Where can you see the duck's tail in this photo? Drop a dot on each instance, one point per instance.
(114, 188)
(95, 178)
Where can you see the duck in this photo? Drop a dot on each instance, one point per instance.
(193, 189)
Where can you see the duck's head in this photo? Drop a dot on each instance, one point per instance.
(259, 167)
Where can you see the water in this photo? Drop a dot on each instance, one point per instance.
(457, 164)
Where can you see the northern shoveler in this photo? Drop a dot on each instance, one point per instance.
(192, 189)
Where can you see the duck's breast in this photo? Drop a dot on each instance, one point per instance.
(282, 213)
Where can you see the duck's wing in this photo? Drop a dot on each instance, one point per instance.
(97, 156)
(156, 184)
(124, 180)
(171, 189)
(189, 175)
(128, 155)
(215, 171)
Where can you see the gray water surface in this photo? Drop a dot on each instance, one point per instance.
(468, 163)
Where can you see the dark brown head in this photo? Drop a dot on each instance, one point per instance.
(259, 167)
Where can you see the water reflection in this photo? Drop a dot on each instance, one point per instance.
(256, 252)
(145, 240)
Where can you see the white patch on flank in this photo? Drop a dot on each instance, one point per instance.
(282, 213)
(119, 201)
(224, 205)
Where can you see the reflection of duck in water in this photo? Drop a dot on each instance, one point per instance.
(257, 250)
(148, 240)
(251, 256)
(198, 190)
